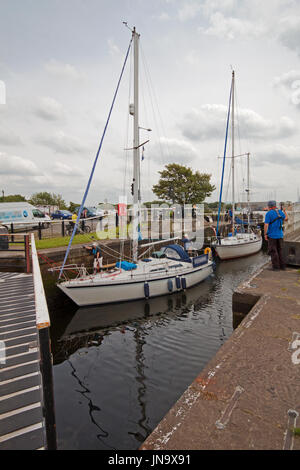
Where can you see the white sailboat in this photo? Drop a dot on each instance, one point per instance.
(174, 271)
(237, 244)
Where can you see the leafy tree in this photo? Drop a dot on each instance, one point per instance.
(47, 199)
(150, 203)
(181, 185)
(13, 198)
(72, 206)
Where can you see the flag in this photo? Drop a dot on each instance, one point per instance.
(143, 153)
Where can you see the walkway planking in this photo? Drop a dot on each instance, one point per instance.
(21, 417)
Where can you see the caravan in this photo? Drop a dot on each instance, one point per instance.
(22, 215)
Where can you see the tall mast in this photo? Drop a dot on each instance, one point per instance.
(136, 150)
(232, 159)
(248, 189)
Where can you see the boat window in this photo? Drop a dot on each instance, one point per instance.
(172, 253)
(176, 266)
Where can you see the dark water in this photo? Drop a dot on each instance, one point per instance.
(119, 369)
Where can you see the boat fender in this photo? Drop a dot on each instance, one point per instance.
(146, 290)
(178, 284)
(170, 285)
(183, 283)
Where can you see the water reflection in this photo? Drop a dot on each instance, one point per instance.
(88, 325)
(130, 362)
(92, 409)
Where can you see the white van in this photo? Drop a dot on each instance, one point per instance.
(22, 215)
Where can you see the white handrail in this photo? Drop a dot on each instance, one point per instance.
(42, 313)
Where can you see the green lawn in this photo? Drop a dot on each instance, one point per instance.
(64, 241)
(78, 239)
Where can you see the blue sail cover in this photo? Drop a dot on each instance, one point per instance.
(176, 252)
(242, 222)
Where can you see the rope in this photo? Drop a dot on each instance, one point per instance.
(114, 251)
(52, 263)
(95, 162)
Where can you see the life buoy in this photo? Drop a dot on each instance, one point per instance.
(207, 251)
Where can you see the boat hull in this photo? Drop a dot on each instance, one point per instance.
(226, 252)
(97, 294)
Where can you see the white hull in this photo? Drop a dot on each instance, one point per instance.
(231, 248)
(99, 289)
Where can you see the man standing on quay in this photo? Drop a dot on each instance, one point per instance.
(273, 230)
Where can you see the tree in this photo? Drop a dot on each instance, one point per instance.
(72, 206)
(13, 198)
(47, 199)
(181, 185)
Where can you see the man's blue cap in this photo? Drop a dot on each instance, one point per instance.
(272, 204)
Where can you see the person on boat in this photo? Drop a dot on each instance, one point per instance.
(273, 230)
(187, 244)
(98, 258)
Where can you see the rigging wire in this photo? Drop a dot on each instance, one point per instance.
(126, 145)
(224, 158)
(154, 103)
(95, 161)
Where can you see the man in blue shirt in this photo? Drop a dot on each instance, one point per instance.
(273, 230)
(98, 258)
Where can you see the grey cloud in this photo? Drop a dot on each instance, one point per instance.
(231, 27)
(49, 109)
(63, 71)
(172, 151)
(279, 155)
(289, 83)
(209, 122)
(15, 165)
(289, 32)
(62, 143)
(9, 138)
(63, 169)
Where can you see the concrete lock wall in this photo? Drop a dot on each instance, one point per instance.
(293, 224)
(291, 252)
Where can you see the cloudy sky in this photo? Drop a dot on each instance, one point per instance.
(60, 61)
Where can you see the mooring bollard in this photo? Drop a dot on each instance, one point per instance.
(40, 230)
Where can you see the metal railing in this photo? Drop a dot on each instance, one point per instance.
(7, 246)
(53, 228)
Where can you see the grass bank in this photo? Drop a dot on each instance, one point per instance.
(78, 239)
